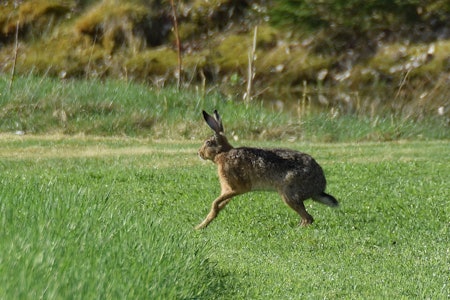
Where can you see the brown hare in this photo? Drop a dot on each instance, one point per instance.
(295, 176)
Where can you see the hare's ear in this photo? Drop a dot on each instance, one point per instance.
(212, 122)
(219, 120)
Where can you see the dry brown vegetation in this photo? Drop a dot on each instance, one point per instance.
(133, 40)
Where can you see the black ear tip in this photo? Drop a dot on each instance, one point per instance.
(216, 114)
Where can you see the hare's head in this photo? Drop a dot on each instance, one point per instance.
(217, 143)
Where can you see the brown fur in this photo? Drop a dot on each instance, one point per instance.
(294, 175)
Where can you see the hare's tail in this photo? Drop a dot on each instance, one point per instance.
(326, 199)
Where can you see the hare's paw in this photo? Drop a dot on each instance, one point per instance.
(202, 225)
(306, 222)
(199, 227)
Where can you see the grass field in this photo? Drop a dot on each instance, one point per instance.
(112, 218)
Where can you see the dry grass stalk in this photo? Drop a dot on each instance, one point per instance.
(251, 67)
(177, 39)
(16, 50)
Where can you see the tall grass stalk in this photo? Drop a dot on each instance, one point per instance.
(178, 44)
(251, 67)
(16, 50)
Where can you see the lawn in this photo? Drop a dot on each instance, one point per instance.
(112, 217)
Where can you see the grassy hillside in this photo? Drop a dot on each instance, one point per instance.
(40, 105)
(372, 57)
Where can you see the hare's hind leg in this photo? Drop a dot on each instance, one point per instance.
(299, 207)
(216, 206)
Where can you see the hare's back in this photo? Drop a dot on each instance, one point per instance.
(275, 164)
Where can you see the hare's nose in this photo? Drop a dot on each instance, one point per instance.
(201, 154)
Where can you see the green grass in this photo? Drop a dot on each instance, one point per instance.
(91, 217)
(91, 227)
(116, 108)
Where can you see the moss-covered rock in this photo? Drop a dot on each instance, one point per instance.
(31, 18)
(153, 62)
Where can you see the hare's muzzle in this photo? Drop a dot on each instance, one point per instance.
(200, 154)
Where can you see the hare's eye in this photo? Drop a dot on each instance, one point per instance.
(211, 143)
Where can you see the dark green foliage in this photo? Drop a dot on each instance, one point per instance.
(357, 15)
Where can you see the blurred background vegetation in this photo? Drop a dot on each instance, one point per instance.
(343, 56)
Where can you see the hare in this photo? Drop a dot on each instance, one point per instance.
(295, 176)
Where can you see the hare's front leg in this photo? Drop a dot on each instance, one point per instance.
(216, 206)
